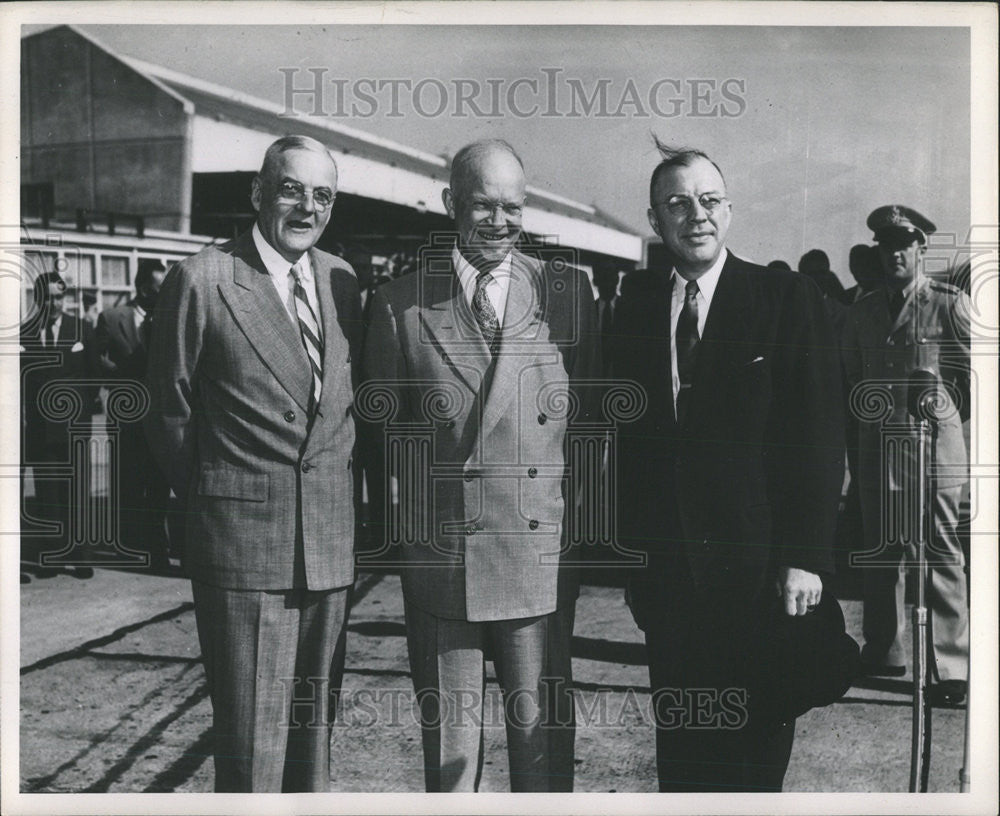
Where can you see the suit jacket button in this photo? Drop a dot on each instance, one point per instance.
(542, 419)
(532, 472)
(470, 530)
(470, 476)
(533, 524)
(289, 416)
(306, 467)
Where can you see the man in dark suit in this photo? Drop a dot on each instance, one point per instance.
(484, 349)
(866, 269)
(142, 492)
(54, 346)
(606, 280)
(251, 382)
(730, 479)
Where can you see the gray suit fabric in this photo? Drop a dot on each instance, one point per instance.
(269, 490)
(479, 447)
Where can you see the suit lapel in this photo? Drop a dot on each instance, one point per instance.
(126, 328)
(726, 329)
(334, 347)
(521, 322)
(266, 323)
(451, 326)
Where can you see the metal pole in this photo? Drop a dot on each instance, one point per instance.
(919, 753)
(964, 779)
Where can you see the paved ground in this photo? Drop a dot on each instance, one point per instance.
(113, 700)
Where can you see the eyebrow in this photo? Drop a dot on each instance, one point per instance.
(290, 180)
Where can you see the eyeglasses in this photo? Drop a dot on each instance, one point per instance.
(683, 205)
(485, 209)
(293, 191)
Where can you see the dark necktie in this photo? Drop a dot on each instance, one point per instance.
(896, 300)
(687, 345)
(605, 318)
(50, 338)
(311, 339)
(485, 314)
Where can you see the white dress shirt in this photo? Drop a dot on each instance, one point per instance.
(706, 290)
(279, 270)
(496, 289)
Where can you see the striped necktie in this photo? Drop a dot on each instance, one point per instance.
(311, 336)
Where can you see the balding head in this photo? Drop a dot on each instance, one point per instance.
(486, 201)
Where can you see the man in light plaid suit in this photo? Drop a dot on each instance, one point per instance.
(251, 381)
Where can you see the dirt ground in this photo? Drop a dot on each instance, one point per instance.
(113, 699)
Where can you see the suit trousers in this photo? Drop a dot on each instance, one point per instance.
(947, 597)
(533, 667)
(274, 662)
(143, 497)
(707, 737)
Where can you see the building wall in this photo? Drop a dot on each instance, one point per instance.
(107, 138)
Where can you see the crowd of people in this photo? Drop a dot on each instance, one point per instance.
(458, 393)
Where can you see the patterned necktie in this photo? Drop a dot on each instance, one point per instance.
(687, 345)
(311, 337)
(486, 316)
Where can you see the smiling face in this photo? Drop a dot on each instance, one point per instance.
(487, 206)
(697, 237)
(293, 226)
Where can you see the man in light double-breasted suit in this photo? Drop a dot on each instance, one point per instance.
(478, 359)
(250, 378)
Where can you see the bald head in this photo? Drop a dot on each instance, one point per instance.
(486, 201)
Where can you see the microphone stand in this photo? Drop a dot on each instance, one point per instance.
(922, 389)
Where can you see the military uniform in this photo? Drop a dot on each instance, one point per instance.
(930, 331)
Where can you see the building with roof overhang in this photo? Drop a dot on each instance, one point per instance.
(105, 135)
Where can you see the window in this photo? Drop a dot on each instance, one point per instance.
(115, 271)
(79, 268)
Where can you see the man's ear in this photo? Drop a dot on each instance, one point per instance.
(255, 193)
(449, 202)
(651, 215)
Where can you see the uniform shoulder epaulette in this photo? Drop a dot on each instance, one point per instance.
(944, 286)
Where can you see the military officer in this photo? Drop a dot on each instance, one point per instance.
(910, 322)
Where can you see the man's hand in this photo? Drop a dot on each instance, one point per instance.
(800, 590)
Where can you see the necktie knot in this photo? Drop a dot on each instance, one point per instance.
(691, 289)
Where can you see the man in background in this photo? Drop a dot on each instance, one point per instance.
(911, 322)
(54, 346)
(140, 488)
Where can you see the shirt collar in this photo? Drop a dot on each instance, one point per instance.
(277, 266)
(708, 280)
(467, 273)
